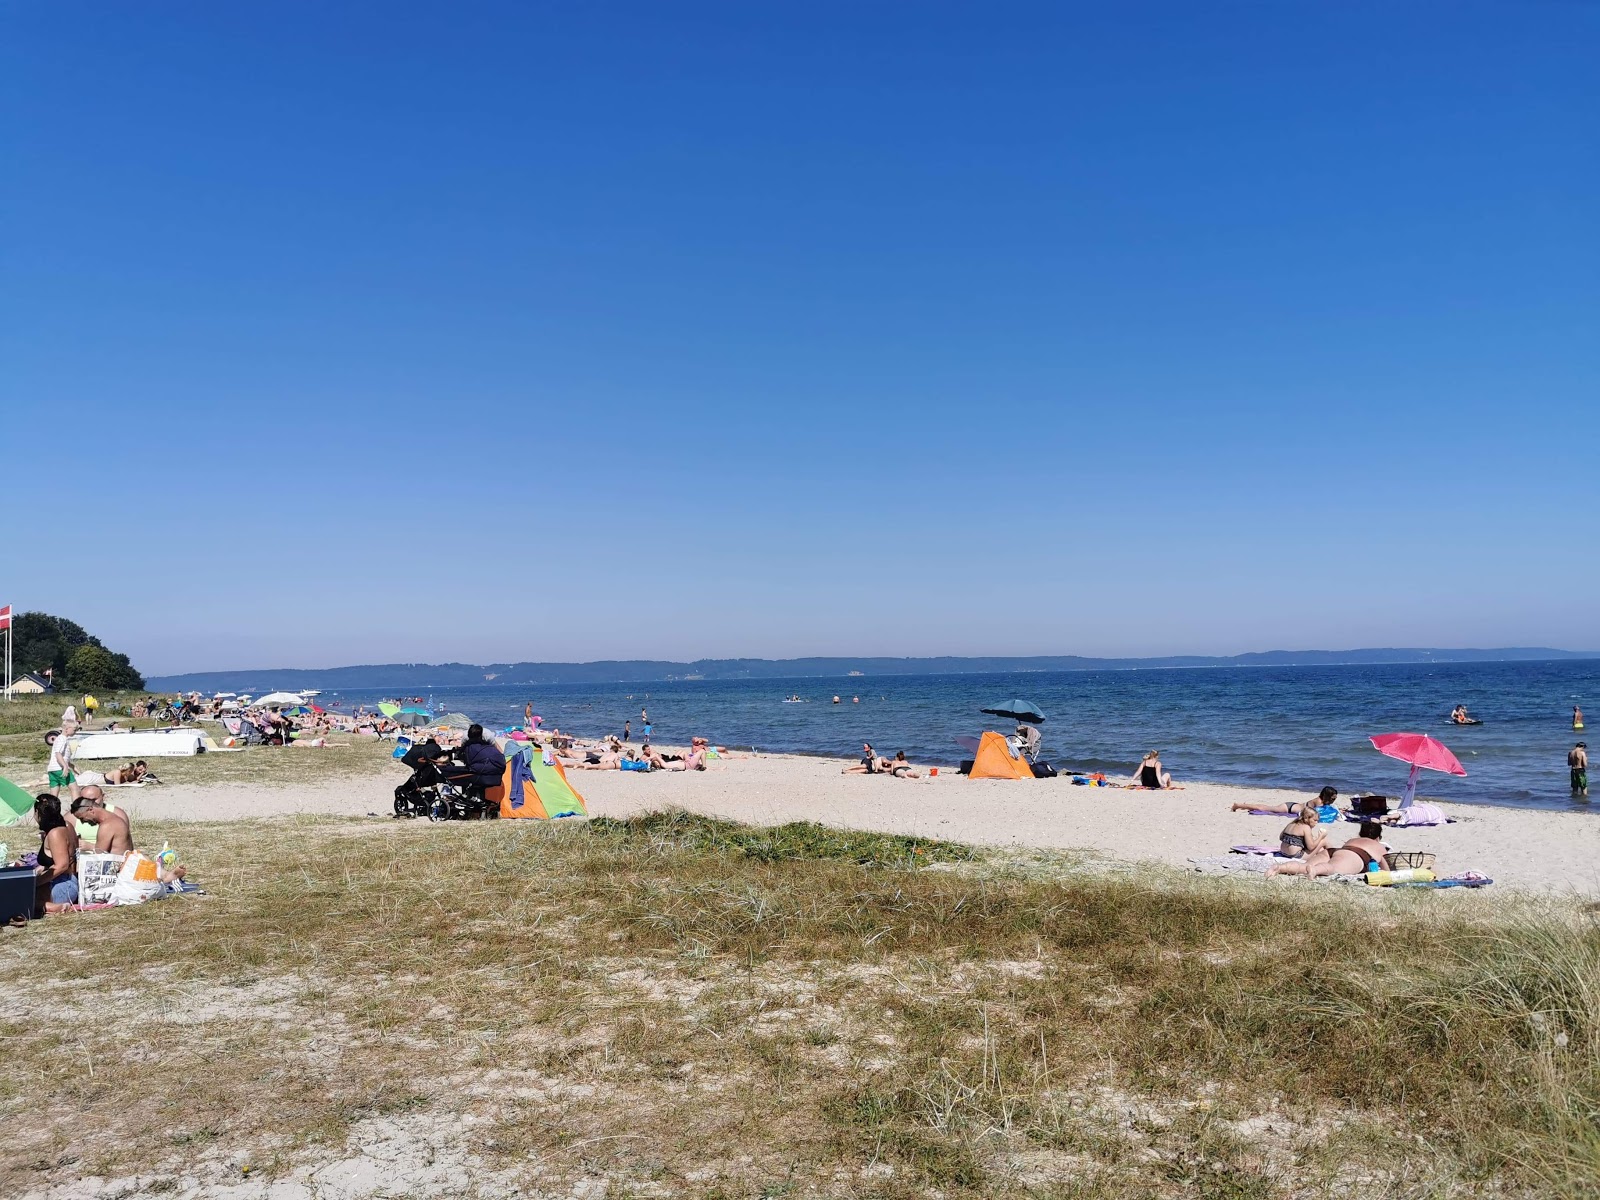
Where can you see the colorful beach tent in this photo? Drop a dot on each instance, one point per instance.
(530, 788)
(994, 760)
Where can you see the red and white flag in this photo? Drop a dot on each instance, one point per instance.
(5, 617)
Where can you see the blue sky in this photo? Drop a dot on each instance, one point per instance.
(401, 331)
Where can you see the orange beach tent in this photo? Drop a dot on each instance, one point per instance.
(530, 788)
(994, 760)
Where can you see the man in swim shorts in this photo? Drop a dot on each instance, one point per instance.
(62, 777)
(1578, 764)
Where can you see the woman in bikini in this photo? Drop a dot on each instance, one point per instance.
(1302, 835)
(56, 872)
(1290, 808)
(128, 774)
(1352, 858)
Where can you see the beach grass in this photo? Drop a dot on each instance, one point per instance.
(678, 1005)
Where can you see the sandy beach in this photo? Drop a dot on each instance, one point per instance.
(1524, 850)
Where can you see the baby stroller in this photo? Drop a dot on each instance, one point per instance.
(461, 798)
(441, 791)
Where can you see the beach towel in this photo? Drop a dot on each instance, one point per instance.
(1422, 814)
(1249, 863)
(1467, 879)
(1249, 849)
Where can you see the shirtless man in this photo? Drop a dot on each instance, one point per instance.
(112, 833)
(1578, 768)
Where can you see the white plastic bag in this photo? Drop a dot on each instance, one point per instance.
(137, 881)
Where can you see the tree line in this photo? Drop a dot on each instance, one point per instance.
(63, 651)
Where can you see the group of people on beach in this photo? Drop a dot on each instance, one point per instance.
(898, 767)
(1304, 844)
(91, 823)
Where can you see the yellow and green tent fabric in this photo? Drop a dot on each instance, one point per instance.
(531, 787)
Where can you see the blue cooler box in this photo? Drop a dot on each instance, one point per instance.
(16, 892)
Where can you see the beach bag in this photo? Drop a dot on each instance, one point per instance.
(1369, 806)
(1410, 860)
(1043, 770)
(137, 881)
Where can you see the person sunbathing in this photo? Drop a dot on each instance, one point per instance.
(1352, 858)
(607, 760)
(696, 761)
(112, 833)
(900, 767)
(132, 773)
(1290, 808)
(1150, 775)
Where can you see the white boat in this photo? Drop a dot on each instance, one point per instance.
(164, 743)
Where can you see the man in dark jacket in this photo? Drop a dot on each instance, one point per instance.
(482, 758)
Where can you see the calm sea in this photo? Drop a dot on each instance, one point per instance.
(1296, 727)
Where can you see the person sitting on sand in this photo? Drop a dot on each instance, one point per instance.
(56, 872)
(112, 834)
(85, 830)
(870, 763)
(1324, 805)
(1150, 775)
(1352, 858)
(1302, 835)
(696, 760)
(480, 760)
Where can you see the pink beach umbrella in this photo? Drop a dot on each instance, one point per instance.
(1420, 751)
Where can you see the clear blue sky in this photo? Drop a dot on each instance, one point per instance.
(786, 328)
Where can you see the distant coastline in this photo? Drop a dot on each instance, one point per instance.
(401, 676)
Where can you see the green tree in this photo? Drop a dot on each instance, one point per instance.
(92, 667)
(46, 643)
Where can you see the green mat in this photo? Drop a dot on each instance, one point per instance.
(14, 802)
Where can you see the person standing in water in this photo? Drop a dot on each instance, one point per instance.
(627, 731)
(1577, 717)
(1578, 768)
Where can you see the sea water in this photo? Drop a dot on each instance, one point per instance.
(1293, 727)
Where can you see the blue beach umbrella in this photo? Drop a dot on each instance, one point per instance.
(1017, 710)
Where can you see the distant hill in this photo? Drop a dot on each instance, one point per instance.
(401, 677)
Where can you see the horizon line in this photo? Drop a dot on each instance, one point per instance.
(1199, 660)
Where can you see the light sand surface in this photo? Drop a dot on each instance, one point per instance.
(1522, 849)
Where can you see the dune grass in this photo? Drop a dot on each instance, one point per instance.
(677, 1005)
